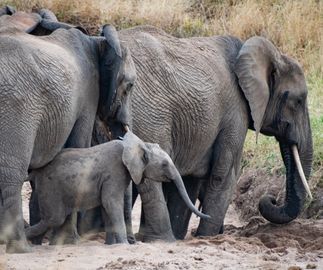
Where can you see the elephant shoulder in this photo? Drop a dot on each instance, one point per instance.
(145, 34)
(67, 37)
(229, 46)
(145, 29)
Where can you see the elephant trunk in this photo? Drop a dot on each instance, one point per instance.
(178, 181)
(296, 189)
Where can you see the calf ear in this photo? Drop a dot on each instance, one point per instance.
(110, 63)
(134, 156)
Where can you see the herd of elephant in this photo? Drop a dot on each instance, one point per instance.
(193, 99)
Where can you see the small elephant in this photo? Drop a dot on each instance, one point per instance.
(83, 178)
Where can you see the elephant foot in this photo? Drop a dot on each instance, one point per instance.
(209, 229)
(37, 240)
(18, 246)
(148, 234)
(169, 237)
(64, 239)
(131, 239)
(113, 238)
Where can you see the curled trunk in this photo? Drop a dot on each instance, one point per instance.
(295, 191)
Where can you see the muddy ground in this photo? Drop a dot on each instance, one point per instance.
(249, 242)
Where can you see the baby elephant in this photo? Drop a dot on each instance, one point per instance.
(83, 178)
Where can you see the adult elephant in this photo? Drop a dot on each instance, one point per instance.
(51, 89)
(196, 98)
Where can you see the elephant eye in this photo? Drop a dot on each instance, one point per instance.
(164, 164)
(129, 86)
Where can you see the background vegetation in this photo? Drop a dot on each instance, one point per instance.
(295, 26)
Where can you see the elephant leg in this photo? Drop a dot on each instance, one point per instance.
(90, 221)
(179, 213)
(67, 233)
(11, 219)
(127, 214)
(220, 186)
(80, 137)
(37, 230)
(34, 213)
(114, 219)
(156, 225)
(201, 197)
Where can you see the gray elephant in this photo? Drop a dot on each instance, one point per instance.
(196, 98)
(40, 23)
(7, 10)
(51, 89)
(80, 179)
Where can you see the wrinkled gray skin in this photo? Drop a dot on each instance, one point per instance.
(80, 179)
(51, 88)
(196, 98)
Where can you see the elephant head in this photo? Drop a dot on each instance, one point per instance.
(275, 88)
(40, 23)
(7, 10)
(149, 161)
(117, 78)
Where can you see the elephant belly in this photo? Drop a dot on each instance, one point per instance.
(50, 140)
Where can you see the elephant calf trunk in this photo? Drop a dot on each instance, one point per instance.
(183, 193)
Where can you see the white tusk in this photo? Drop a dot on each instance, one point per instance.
(300, 170)
(126, 128)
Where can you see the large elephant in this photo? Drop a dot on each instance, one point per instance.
(51, 89)
(196, 98)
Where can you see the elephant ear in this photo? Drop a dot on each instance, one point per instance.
(47, 14)
(49, 24)
(257, 59)
(25, 22)
(134, 156)
(7, 10)
(110, 63)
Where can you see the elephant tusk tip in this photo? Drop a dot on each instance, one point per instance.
(126, 128)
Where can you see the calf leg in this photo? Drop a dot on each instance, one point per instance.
(114, 220)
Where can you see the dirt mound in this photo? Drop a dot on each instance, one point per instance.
(253, 184)
(304, 235)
